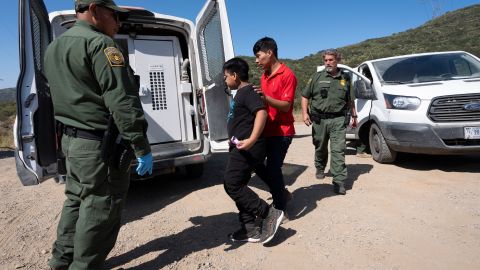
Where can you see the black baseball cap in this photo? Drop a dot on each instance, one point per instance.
(81, 4)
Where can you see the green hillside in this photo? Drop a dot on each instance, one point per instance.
(7, 95)
(456, 30)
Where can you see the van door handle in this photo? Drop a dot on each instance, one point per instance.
(143, 91)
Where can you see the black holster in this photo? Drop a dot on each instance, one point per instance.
(61, 160)
(347, 118)
(116, 151)
(315, 117)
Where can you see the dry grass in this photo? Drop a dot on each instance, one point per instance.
(6, 134)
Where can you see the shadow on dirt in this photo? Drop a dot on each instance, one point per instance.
(176, 246)
(421, 162)
(194, 239)
(149, 196)
(463, 163)
(305, 199)
(297, 136)
(290, 174)
(6, 153)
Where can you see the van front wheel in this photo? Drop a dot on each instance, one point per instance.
(381, 153)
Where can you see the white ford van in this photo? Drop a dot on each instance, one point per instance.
(425, 103)
(182, 91)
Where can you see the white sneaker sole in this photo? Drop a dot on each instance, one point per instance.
(249, 240)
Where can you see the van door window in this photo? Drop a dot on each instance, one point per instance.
(43, 117)
(365, 71)
(211, 47)
(214, 43)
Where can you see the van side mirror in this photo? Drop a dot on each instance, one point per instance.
(363, 91)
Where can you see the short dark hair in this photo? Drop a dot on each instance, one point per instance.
(264, 44)
(239, 66)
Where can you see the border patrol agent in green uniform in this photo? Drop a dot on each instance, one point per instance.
(90, 83)
(326, 102)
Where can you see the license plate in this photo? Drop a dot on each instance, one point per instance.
(472, 132)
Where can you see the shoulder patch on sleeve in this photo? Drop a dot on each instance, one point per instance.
(114, 56)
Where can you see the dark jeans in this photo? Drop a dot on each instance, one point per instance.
(237, 175)
(271, 173)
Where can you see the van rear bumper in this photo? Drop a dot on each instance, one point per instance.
(426, 139)
(168, 156)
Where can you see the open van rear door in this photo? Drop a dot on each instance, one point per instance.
(214, 43)
(34, 130)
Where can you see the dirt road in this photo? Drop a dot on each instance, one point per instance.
(421, 213)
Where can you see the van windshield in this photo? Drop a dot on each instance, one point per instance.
(427, 68)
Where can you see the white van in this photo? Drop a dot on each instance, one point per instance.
(425, 103)
(182, 90)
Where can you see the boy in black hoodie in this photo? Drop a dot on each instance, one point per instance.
(246, 120)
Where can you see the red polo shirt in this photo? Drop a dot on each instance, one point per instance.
(280, 85)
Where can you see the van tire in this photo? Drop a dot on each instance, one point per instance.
(194, 170)
(381, 153)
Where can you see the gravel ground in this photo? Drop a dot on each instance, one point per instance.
(423, 212)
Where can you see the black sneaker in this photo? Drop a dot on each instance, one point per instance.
(339, 189)
(319, 174)
(270, 224)
(243, 235)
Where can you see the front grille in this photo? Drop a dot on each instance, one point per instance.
(451, 108)
(462, 142)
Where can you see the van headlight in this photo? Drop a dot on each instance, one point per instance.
(401, 102)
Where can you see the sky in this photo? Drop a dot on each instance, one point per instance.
(300, 27)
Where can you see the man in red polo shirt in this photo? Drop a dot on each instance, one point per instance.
(278, 84)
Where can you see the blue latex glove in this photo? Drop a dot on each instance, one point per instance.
(145, 164)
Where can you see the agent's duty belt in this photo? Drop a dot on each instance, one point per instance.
(96, 135)
(328, 115)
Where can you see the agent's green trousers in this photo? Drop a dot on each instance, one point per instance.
(334, 130)
(90, 218)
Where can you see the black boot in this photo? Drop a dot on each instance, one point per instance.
(339, 189)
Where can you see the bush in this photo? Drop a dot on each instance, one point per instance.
(7, 118)
(7, 109)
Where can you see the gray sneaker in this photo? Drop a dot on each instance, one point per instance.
(270, 224)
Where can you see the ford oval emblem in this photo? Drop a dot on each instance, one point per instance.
(472, 106)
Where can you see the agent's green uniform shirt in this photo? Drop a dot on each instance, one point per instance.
(339, 92)
(94, 80)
